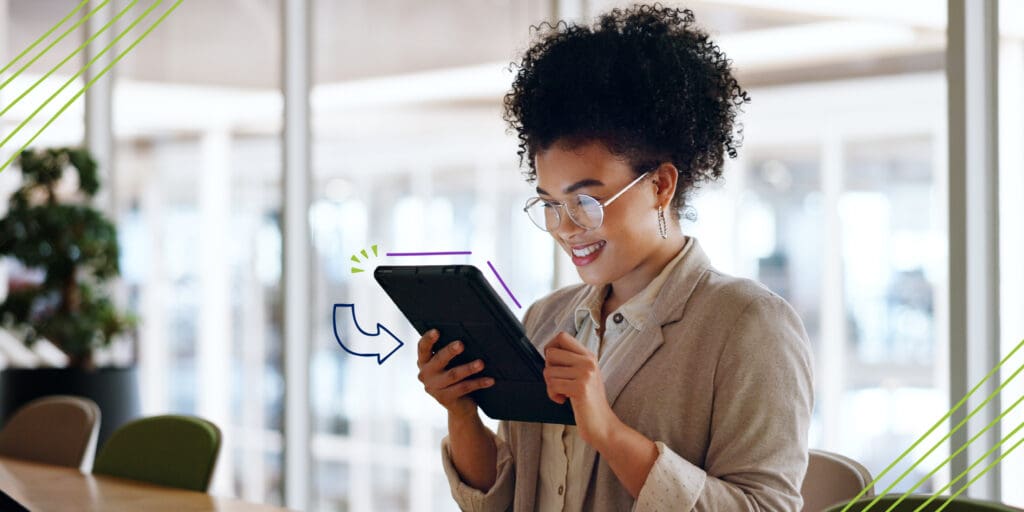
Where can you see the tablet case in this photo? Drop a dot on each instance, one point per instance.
(458, 302)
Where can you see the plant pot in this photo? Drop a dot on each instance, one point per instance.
(115, 390)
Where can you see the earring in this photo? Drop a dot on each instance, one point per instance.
(662, 228)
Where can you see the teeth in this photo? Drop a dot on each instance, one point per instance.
(588, 250)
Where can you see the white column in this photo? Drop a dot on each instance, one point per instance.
(298, 251)
(940, 320)
(831, 370)
(153, 357)
(99, 130)
(213, 346)
(1011, 181)
(972, 72)
(254, 352)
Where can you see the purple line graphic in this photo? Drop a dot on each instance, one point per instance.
(449, 253)
(502, 281)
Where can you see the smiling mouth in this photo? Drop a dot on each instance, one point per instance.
(587, 250)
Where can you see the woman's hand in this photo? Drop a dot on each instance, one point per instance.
(449, 387)
(570, 371)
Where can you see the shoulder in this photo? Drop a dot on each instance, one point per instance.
(757, 323)
(733, 293)
(746, 313)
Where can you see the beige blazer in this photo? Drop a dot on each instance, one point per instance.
(720, 378)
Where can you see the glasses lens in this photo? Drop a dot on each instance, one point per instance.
(587, 212)
(543, 214)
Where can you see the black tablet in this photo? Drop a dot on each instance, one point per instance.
(458, 302)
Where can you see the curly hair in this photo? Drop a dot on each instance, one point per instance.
(643, 81)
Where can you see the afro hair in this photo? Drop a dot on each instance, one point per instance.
(643, 81)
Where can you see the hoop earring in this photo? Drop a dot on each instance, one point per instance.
(662, 228)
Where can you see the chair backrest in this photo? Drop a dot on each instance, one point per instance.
(832, 478)
(913, 501)
(173, 451)
(57, 429)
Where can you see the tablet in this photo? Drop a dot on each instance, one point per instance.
(458, 302)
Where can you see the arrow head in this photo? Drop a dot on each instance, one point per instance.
(397, 345)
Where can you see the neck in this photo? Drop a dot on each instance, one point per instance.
(627, 286)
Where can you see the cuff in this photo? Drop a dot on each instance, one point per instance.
(497, 498)
(673, 483)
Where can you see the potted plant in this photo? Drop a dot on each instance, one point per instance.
(51, 229)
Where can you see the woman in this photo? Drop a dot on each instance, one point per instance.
(691, 389)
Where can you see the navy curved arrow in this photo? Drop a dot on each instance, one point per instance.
(380, 358)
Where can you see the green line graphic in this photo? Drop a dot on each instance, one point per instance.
(969, 468)
(54, 43)
(990, 466)
(958, 450)
(66, 59)
(97, 77)
(44, 36)
(76, 75)
(929, 432)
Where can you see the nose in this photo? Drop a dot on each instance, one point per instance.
(567, 229)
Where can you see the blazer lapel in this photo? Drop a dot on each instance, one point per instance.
(668, 308)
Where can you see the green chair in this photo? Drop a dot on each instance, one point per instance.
(914, 500)
(173, 451)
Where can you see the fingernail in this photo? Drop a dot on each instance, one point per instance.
(457, 345)
(478, 364)
(489, 382)
(434, 333)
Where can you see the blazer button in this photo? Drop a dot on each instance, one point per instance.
(561, 489)
(617, 318)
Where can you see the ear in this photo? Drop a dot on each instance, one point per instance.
(665, 178)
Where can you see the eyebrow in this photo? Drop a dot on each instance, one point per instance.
(589, 182)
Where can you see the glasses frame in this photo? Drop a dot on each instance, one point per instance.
(558, 217)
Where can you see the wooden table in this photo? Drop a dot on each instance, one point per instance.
(41, 487)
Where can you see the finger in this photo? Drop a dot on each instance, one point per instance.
(453, 375)
(562, 357)
(426, 343)
(565, 341)
(555, 392)
(561, 372)
(463, 388)
(443, 357)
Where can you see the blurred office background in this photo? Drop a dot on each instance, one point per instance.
(838, 202)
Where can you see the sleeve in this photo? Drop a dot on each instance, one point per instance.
(761, 412)
(499, 497)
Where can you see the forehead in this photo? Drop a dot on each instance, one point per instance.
(560, 166)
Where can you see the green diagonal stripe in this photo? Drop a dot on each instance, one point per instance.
(958, 450)
(44, 36)
(66, 59)
(928, 433)
(97, 77)
(76, 75)
(54, 43)
(975, 463)
(975, 479)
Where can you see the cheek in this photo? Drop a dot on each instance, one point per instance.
(631, 229)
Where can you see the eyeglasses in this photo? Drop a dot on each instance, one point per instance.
(586, 212)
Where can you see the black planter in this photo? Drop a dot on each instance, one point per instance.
(115, 390)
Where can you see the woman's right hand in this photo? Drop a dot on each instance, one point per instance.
(449, 387)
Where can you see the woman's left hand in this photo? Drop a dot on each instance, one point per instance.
(570, 371)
